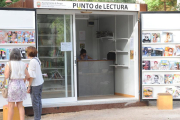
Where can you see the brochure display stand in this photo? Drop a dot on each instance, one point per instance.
(17, 31)
(160, 53)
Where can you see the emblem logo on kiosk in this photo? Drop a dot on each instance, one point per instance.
(38, 4)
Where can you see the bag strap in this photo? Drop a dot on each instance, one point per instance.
(37, 60)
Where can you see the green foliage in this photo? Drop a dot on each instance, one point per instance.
(158, 5)
(3, 2)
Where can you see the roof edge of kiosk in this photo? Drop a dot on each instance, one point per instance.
(74, 5)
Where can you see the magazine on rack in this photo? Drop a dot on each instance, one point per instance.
(3, 36)
(167, 37)
(146, 51)
(148, 92)
(164, 65)
(157, 79)
(2, 68)
(169, 90)
(168, 78)
(146, 37)
(23, 53)
(157, 52)
(168, 51)
(155, 65)
(3, 53)
(8, 50)
(176, 79)
(147, 79)
(177, 50)
(146, 65)
(156, 37)
(173, 65)
(176, 93)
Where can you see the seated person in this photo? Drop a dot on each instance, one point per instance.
(83, 55)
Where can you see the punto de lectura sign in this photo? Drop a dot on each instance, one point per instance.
(86, 5)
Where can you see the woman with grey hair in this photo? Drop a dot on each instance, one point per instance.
(17, 73)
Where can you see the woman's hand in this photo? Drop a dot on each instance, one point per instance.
(29, 89)
(82, 57)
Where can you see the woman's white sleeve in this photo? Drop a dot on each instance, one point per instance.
(32, 69)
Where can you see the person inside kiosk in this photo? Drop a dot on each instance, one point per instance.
(83, 55)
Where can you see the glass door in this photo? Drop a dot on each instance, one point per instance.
(58, 65)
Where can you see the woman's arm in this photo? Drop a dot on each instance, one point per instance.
(27, 75)
(6, 72)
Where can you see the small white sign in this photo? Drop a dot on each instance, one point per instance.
(82, 35)
(66, 46)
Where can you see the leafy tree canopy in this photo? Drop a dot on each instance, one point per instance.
(3, 2)
(158, 5)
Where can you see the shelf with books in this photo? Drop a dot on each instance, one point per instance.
(18, 44)
(52, 79)
(119, 51)
(52, 68)
(118, 65)
(154, 57)
(51, 57)
(160, 70)
(160, 43)
(120, 39)
(163, 29)
(160, 84)
(48, 46)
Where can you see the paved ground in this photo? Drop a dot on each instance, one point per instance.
(133, 113)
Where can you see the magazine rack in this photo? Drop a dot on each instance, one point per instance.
(19, 34)
(160, 50)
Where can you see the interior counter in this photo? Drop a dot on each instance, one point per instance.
(95, 77)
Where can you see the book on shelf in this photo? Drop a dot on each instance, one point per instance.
(146, 65)
(147, 92)
(164, 65)
(168, 51)
(146, 37)
(173, 65)
(147, 79)
(155, 37)
(3, 54)
(177, 50)
(155, 65)
(157, 52)
(23, 52)
(168, 78)
(176, 79)
(170, 90)
(2, 68)
(157, 79)
(167, 37)
(146, 51)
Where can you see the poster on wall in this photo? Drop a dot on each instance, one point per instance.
(131, 48)
(82, 35)
(82, 45)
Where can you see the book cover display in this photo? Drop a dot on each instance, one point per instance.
(148, 92)
(155, 65)
(174, 91)
(168, 78)
(168, 51)
(157, 52)
(146, 65)
(173, 65)
(157, 79)
(164, 65)
(156, 37)
(146, 51)
(2, 68)
(176, 79)
(147, 79)
(167, 37)
(177, 50)
(146, 37)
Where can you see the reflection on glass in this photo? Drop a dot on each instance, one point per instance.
(52, 30)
